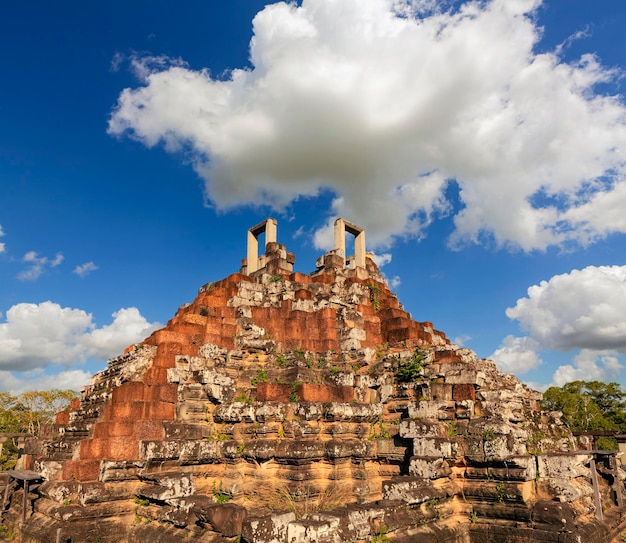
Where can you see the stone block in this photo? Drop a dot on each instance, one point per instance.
(324, 393)
(429, 468)
(413, 428)
(411, 490)
(81, 470)
(463, 391)
(563, 466)
(160, 411)
(271, 528)
(160, 450)
(314, 531)
(273, 392)
(227, 518)
(167, 485)
(440, 447)
(121, 410)
(441, 391)
(62, 418)
(432, 409)
(122, 448)
(128, 392)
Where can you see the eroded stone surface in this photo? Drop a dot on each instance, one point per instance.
(283, 407)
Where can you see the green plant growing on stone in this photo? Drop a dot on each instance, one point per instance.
(242, 397)
(500, 492)
(241, 448)
(276, 279)
(281, 361)
(67, 502)
(7, 532)
(378, 430)
(299, 354)
(219, 495)
(261, 377)
(217, 434)
(534, 443)
(411, 370)
(381, 536)
(489, 434)
(293, 395)
(452, 429)
(473, 517)
(375, 295)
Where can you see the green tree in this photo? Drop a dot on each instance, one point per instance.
(26, 413)
(589, 405)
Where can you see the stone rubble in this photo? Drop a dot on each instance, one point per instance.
(280, 407)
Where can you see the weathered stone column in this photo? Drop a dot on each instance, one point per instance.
(269, 227)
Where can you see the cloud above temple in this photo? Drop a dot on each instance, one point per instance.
(36, 336)
(388, 108)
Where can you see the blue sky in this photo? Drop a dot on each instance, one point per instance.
(481, 145)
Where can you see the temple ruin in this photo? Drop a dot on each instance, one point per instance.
(283, 407)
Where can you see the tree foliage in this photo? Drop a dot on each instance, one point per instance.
(26, 413)
(588, 406)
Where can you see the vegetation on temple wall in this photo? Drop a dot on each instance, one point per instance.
(26, 413)
(590, 405)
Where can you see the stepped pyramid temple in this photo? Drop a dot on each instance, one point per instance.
(283, 407)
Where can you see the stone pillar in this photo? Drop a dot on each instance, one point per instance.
(341, 227)
(269, 227)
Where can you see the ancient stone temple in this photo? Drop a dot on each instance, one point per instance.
(283, 407)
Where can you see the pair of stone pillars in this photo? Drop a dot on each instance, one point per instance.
(255, 262)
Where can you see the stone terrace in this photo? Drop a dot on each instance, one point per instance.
(280, 407)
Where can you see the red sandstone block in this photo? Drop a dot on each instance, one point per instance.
(121, 410)
(195, 318)
(165, 336)
(103, 430)
(74, 404)
(91, 449)
(160, 411)
(129, 391)
(81, 470)
(328, 313)
(156, 376)
(394, 336)
(326, 278)
(148, 430)
(164, 392)
(62, 418)
(303, 294)
(302, 278)
(463, 392)
(273, 392)
(324, 393)
(329, 345)
(122, 448)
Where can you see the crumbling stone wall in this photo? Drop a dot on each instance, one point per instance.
(281, 407)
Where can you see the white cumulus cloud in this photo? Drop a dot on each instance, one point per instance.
(583, 309)
(2, 245)
(517, 355)
(38, 335)
(85, 269)
(38, 380)
(589, 365)
(36, 265)
(383, 102)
